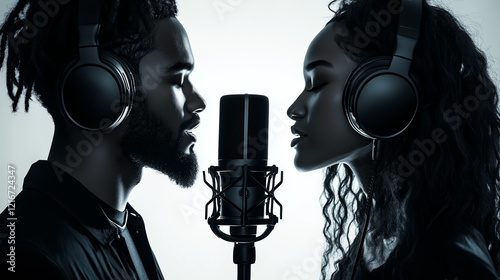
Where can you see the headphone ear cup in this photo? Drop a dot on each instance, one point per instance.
(96, 90)
(379, 103)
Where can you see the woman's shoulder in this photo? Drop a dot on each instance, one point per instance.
(444, 255)
(461, 255)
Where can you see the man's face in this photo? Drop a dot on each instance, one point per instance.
(166, 108)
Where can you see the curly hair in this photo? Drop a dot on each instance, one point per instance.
(443, 170)
(38, 37)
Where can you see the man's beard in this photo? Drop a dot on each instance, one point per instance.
(148, 142)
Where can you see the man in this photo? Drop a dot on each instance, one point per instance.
(72, 219)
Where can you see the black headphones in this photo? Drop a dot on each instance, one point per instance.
(96, 87)
(380, 96)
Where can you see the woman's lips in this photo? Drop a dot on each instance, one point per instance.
(296, 141)
(297, 132)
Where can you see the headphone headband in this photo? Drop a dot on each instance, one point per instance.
(408, 28)
(89, 12)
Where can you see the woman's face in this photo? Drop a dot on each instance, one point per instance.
(324, 134)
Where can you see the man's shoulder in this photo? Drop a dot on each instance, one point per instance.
(36, 221)
(33, 209)
(36, 235)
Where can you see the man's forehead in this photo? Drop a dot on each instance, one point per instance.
(172, 39)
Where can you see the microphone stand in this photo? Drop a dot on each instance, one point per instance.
(243, 234)
(244, 253)
(244, 256)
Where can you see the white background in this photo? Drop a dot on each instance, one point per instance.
(240, 46)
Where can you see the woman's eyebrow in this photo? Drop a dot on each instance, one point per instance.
(317, 63)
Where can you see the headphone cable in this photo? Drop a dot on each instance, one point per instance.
(377, 147)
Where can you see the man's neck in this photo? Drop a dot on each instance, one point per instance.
(97, 162)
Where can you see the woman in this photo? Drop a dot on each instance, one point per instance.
(430, 198)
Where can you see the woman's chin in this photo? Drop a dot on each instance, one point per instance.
(303, 165)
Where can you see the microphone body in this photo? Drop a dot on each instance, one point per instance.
(243, 184)
(243, 141)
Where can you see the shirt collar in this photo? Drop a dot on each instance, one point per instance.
(77, 200)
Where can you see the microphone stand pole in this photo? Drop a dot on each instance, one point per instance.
(244, 252)
(244, 257)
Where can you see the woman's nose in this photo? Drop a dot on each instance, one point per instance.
(295, 111)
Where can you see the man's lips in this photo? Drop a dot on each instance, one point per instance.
(193, 123)
(300, 136)
(186, 127)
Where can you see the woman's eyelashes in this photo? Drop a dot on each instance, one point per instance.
(315, 87)
(317, 80)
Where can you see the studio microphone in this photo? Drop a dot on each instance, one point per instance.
(243, 184)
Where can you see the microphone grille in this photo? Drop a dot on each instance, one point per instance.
(244, 129)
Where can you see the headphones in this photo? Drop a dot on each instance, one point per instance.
(380, 96)
(96, 87)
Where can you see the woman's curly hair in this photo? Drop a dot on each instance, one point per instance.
(423, 183)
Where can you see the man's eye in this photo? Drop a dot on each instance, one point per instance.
(177, 81)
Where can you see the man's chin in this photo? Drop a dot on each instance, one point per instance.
(149, 143)
(183, 171)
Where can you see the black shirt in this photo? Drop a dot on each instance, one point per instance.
(443, 255)
(61, 232)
